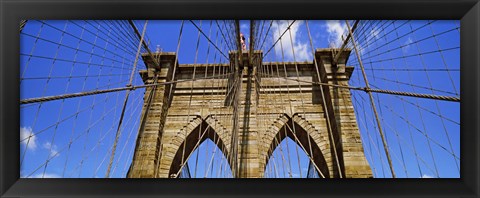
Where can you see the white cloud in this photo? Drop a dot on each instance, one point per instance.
(365, 47)
(426, 176)
(29, 139)
(46, 175)
(375, 32)
(335, 31)
(52, 148)
(244, 27)
(301, 48)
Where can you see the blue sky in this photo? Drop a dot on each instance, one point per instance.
(89, 55)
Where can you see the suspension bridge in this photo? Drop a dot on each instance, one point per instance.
(240, 99)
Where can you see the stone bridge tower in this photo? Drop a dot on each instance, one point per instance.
(243, 118)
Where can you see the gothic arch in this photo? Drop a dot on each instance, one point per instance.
(300, 131)
(209, 127)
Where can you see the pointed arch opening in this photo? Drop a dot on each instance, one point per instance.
(208, 161)
(288, 160)
(203, 154)
(298, 150)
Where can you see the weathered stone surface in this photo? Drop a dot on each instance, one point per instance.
(275, 101)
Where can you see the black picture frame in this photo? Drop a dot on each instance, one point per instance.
(12, 11)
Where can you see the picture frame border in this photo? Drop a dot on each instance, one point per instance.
(12, 11)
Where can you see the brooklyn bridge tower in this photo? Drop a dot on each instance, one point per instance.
(247, 107)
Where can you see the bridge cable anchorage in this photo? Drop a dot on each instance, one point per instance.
(367, 88)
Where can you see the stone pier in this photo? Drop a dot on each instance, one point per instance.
(270, 101)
